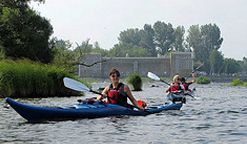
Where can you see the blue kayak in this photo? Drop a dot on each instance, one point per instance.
(79, 111)
(176, 97)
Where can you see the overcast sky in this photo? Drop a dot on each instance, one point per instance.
(103, 20)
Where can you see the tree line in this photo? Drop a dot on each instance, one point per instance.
(26, 34)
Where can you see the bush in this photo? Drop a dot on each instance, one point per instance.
(203, 80)
(136, 81)
(245, 84)
(238, 82)
(24, 78)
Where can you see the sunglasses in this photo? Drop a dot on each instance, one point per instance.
(113, 75)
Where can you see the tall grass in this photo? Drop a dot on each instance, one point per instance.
(136, 81)
(24, 78)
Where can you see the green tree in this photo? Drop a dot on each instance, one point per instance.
(64, 57)
(139, 52)
(24, 33)
(84, 48)
(203, 40)
(210, 40)
(163, 36)
(147, 39)
(194, 41)
(117, 51)
(179, 39)
(231, 66)
(97, 49)
(69, 58)
(130, 36)
(132, 40)
(122, 50)
(216, 61)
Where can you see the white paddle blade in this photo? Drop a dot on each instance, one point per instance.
(153, 76)
(74, 85)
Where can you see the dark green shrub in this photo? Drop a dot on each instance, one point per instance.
(203, 80)
(136, 81)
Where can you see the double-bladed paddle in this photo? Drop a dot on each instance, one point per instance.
(78, 86)
(155, 77)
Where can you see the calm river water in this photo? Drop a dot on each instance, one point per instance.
(218, 115)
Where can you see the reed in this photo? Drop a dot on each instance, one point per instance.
(136, 81)
(25, 78)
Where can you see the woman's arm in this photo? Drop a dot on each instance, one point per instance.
(194, 79)
(132, 99)
(168, 89)
(104, 93)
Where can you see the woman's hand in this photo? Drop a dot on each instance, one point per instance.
(99, 97)
(193, 74)
(141, 109)
(102, 96)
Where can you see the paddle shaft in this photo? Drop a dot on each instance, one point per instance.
(194, 70)
(189, 95)
(122, 102)
(95, 92)
(165, 82)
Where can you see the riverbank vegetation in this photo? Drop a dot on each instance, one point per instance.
(25, 78)
(136, 81)
(238, 82)
(203, 80)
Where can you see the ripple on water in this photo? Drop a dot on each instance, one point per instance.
(217, 116)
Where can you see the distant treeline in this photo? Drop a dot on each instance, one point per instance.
(26, 34)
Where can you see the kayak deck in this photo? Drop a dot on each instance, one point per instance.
(79, 111)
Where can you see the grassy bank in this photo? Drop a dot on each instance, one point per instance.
(24, 78)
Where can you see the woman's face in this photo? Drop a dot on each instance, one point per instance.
(114, 77)
(177, 80)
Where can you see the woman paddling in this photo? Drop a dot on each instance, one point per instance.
(186, 84)
(117, 93)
